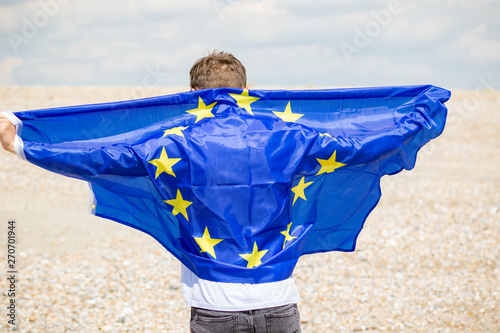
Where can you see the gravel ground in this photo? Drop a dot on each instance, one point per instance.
(426, 261)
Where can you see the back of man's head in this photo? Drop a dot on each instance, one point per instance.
(217, 70)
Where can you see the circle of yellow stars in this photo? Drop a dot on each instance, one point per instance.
(165, 164)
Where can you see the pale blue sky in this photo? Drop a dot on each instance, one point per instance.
(283, 43)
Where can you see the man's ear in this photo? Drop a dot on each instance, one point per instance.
(195, 88)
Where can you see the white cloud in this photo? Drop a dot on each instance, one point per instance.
(479, 45)
(280, 41)
(7, 66)
(11, 17)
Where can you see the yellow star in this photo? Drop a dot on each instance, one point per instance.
(329, 165)
(164, 164)
(179, 204)
(299, 190)
(287, 234)
(202, 111)
(175, 130)
(326, 134)
(207, 244)
(254, 257)
(244, 100)
(288, 116)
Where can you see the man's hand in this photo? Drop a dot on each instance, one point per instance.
(7, 134)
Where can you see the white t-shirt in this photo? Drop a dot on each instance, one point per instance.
(221, 296)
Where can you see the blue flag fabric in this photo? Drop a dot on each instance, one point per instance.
(239, 184)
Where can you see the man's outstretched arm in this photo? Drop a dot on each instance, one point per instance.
(74, 160)
(7, 134)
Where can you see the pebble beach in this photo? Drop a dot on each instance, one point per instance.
(427, 259)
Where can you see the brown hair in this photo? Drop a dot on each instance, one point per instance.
(216, 70)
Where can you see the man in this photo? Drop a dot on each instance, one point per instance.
(225, 186)
(213, 301)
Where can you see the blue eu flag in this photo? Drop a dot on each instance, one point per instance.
(239, 184)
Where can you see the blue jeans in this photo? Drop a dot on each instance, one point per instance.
(279, 319)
